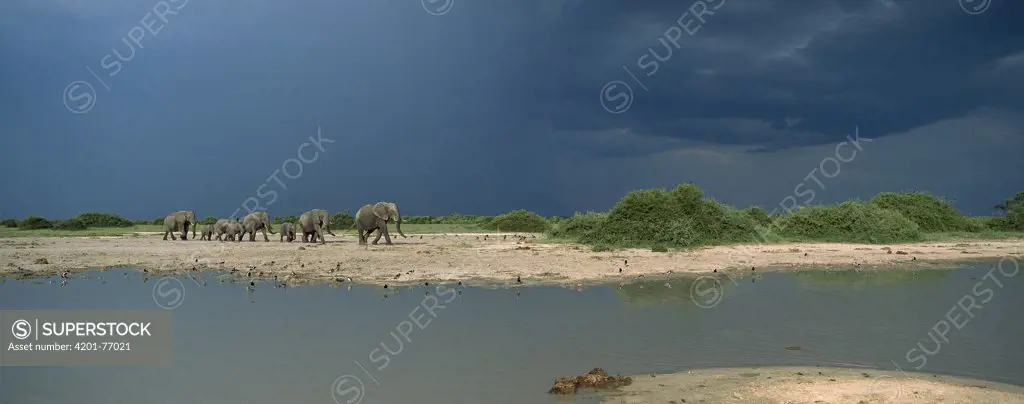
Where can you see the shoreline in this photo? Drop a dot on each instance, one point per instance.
(810, 384)
(491, 259)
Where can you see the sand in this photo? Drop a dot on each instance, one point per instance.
(777, 385)
(494, 259)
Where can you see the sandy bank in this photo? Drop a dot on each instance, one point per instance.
(482, 258)
(777, 385)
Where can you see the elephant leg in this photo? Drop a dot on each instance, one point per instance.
(387, 237)
(265, 238)
(165, 234)
(319, 234)
(172, 235)
(377, 239)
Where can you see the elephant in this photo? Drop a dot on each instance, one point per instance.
(375, 217)
(226, 229)
(256, 221)
(314, 223)
(207, 233)
(180, 221)
(233, 229)
(287, 231)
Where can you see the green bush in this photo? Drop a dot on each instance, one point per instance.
(342, 220)
(519, 220)
(758, 215)
(659, 248)
(208, 220)
(931, 213)
(9, 223)
(99, 219)
(34, 222)
(979, 223)
(577, 225)
(143, 222)
(850, 221)
(70, 224)
(677, 218)
(283, 219)
(1013, 218)
(159, 221)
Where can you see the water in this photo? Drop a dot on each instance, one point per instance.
(275, 345)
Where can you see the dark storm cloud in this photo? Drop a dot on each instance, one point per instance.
(490, 107)
(890, 65)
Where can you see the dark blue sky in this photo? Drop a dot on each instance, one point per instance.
(498, 105)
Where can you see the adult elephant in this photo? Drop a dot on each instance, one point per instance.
(314, 223)
(257, 221)
(375, 217)
(180, 221)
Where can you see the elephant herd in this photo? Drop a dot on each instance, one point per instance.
(312, 225)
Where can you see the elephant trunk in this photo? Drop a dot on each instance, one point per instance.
(271, 230)
(398, 223)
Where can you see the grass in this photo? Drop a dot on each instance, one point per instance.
(965, 235)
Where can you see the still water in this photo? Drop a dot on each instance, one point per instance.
(236, 344)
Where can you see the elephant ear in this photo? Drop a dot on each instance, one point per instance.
(381, 210)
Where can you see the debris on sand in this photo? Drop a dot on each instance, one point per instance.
(41, 261)
(594, 379)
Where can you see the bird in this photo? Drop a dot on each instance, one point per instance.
(751, 268)
(460, 283)
(518, 279)
(399, 274)
(716, 271)
(385, 286)
(620, 270)
(251, 283)
(625, 262)
(426, 283)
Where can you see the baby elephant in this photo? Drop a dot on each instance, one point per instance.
(288, 231)
(207, 233)
(227, 229)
